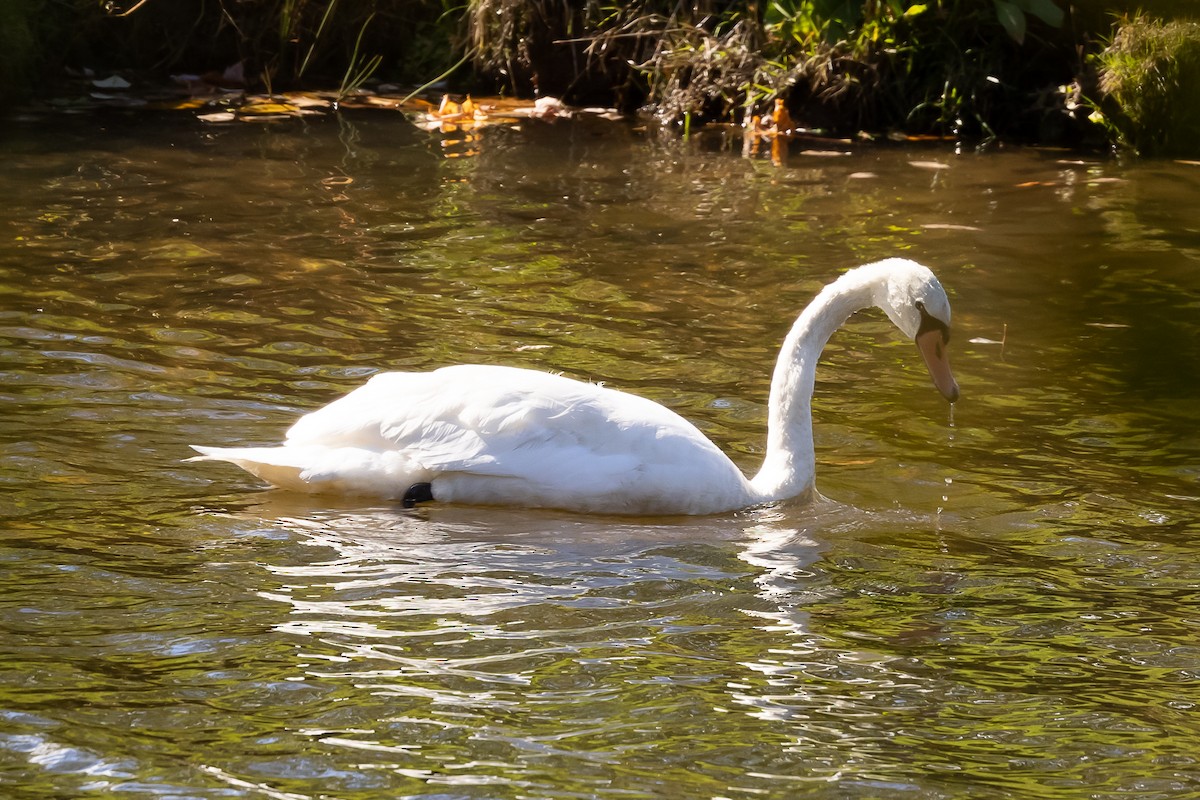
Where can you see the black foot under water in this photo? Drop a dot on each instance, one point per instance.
(417, 493)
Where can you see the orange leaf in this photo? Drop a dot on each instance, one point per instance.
(781, 117)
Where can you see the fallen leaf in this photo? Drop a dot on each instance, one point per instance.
(183, 104)
(301, 100)
(386, 102)
(112, 82)
(268, 108)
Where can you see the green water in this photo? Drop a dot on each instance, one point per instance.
(1001, 603)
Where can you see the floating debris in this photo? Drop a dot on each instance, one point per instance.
(984, 340)
(221, 98)
(949, 226)
(825, 153)
(112, 82)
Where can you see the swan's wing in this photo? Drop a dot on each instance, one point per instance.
(460, 417)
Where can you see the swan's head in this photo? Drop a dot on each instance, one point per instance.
(914, 300)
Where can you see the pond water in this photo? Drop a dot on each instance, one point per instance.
(1000, 603)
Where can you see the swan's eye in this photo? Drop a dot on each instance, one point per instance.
(930, 322)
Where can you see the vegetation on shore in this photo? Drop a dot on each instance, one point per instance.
(1151, 74)
(1049, 71)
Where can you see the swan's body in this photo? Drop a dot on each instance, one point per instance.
(502, 435)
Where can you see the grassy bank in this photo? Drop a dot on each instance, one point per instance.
(1150, 73)
(1034, 70)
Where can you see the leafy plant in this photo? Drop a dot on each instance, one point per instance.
(1012, 15)
(1150, 75)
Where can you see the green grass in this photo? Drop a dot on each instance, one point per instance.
(1150, 76)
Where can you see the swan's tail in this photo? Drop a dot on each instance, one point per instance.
(278, 466)
(316, 469)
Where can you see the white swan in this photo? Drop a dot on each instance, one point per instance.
(501, 435)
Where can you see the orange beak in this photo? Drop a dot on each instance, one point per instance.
(932, 345)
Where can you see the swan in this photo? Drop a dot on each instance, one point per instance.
(503, 435)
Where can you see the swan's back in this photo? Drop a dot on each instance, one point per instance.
(487, 434)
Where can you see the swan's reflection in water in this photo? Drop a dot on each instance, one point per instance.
(524, 636)
(800, 668)
(452, 567)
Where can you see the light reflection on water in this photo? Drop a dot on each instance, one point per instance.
(1004, 605)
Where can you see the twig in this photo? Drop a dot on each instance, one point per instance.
(139, 4)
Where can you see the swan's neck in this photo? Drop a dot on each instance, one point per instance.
(787, 469)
